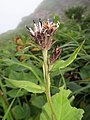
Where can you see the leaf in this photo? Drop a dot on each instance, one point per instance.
(85, 72)
(63, 64)
(87, 112)
(28, 55)
(18, 112)
(38, 101)
(27, 85)
(13, 92)
(56, 73)
(21, 112)
(32, 68)
(73, 86)
(62, 108)
(9, 107)
(22, 75)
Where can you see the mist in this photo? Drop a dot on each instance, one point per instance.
(12, 11)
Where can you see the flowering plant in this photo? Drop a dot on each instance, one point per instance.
(58, 106)
(43, 35)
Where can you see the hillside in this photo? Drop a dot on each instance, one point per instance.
(47, 8)
(52, 7)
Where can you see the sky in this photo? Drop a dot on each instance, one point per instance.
(12, 11)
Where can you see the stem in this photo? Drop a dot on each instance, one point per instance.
(63, 79)
(5, 116)
(47, 81)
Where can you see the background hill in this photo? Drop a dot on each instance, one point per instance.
(47, 8)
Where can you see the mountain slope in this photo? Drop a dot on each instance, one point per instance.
(47, 8)
(52, 7)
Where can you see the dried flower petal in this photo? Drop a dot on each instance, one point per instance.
(43, 32)
(19, 41)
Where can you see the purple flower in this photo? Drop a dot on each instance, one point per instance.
(43, 33)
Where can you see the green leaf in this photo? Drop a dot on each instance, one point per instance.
(85, 72)
(13, 92)
(32, 68)
(22, 75)
(27, 85)
(62, 108)
(21, 112)
(38, 101)
(9, 107)
(28, 55)
(63, 64)
(18, 112)
(87, 112)
(73, 86)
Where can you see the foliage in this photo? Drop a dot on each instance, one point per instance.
(75, 13)
(85, 24)
(64, 110)
(25, 66)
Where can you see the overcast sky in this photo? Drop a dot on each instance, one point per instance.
(11, 12)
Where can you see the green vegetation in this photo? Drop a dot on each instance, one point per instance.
(75, 13)
(22, 88)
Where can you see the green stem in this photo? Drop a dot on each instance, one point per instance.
(4, 101)
(63, 79)
(5, 116)
(47, 81)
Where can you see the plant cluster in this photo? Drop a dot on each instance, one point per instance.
(46, 76)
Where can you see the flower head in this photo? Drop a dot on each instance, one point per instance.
(43, 32)
(56, 54)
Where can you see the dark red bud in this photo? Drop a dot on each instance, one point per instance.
(56, 54)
